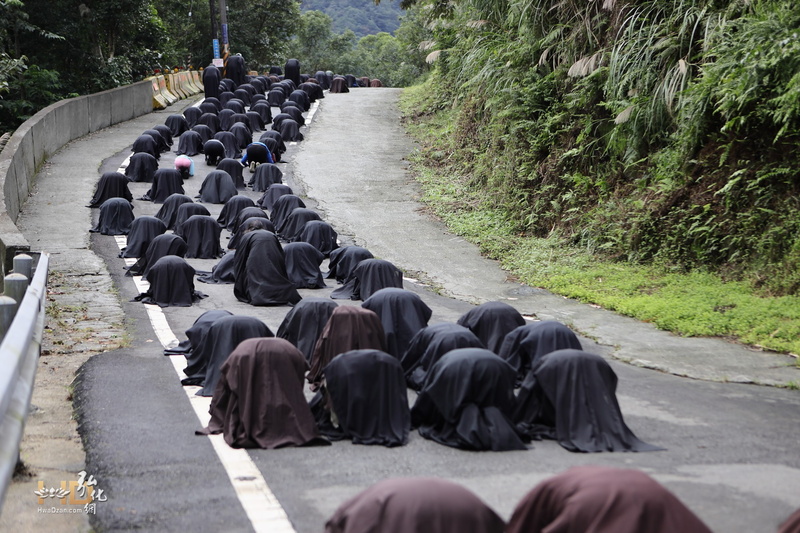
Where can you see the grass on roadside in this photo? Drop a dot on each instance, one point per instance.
(692, 304)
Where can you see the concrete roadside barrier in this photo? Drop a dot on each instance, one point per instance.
(197, 79)
(165, 92)
(42, 135)
(159, 102)
(190, 81)
(173, 86)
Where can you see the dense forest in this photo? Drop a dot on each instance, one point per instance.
(363, 18)
(54, 49)
(645, 131)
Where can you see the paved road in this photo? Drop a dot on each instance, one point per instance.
(732, 449)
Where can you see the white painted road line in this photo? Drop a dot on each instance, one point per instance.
(262, 507)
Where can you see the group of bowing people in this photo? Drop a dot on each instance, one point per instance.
(160, 255)
(491, 381)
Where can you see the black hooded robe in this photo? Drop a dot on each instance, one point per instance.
(261, 277)
(570, 396)
(467, 402)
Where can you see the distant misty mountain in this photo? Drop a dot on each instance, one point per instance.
(361, 16)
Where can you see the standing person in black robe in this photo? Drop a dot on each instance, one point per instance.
(261, 277)
(403, 314)
(258, 401)
(525, 345)
(211, 79)
(570, 396)
(365, 393)
(491, 322)
(603, 499)
(429, 345)
(415, 505)
(304, 323)
(467, 402)
(291, 71)
(235, 70)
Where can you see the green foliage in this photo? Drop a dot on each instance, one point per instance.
(359, 16)
(29, 90)
(650, 131)
(260, 30)
(695, 303)
(396, 61)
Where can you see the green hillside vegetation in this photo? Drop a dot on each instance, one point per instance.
(639, 155)
(362, 17)
(396, 60)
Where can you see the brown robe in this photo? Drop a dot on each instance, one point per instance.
(348, 328)
(599, 499)
(412, 505)
(259, 401)
(792, 524)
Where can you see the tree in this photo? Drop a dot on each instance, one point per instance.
(260, 30)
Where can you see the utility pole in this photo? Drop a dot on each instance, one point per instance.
(212, 10)
(223, 15)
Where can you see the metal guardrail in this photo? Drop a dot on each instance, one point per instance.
(19, 355)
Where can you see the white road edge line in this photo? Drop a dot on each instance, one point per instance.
(262, 507)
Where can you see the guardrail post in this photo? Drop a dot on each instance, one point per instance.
(19, 353)
(23, 264)
(15, 287)
(8, 308)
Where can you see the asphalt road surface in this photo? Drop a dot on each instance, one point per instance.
(731, 449)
